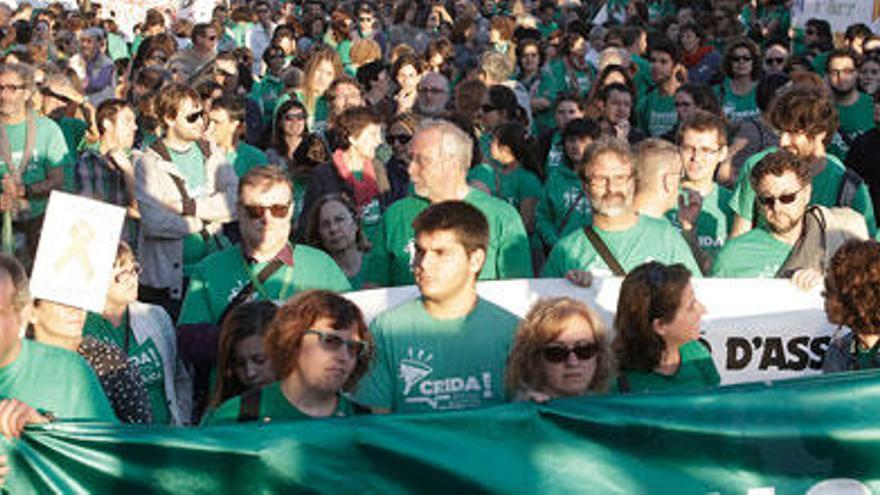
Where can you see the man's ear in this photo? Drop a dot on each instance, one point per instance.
(476, 260)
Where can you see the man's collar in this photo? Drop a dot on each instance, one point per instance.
(285, 255)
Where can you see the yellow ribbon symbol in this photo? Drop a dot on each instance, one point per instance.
(81, 233)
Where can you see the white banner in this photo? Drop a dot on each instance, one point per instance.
(128, 13)
(758, 329)
(839, 13)
(77, 250)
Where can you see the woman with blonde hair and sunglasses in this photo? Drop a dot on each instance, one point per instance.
(561, 349)
(320, 347)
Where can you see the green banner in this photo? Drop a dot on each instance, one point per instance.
(783, 437)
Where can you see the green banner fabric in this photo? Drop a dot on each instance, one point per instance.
(783, 437)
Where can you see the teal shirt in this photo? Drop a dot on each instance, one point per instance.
(563, 207)
(55, 380)
(424, 364)
(274, 406)
(855, 120)
(389, 261)
(826, 187)
(246, 157)
(696, 371)
(650, 239)
(737, 107)
(755, 254)
(191, 166)
(219, 277)
(714, 221)
(656, 113)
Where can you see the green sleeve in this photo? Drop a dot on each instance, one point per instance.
(743, 200)
(531, 186)
(335, 278)
(544, 224)
(862, 203)
(514, 251)
(720, 267)
(684, 255)
(484, 174)
(642, 113)
(57, 152)
(197, 303)
(550, 85)
(376, 388)
(557, 262)
(376, 269)
(226, 413)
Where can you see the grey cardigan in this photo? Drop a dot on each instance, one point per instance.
(160, 240)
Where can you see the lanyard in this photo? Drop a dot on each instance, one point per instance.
(258, 285)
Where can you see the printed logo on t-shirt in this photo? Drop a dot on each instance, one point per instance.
(420, 386)
(371, 213)
(410, 250)
(148, 362)
(661, 122)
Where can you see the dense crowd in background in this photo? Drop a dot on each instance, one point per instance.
(285, 153)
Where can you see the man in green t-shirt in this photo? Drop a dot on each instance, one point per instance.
(441, 155)
(27, 181)
(48, 379)
(225, 123)
(703, 205)
(806, 120)
(631, 238)
(795, 240)
(266, 266)
(656, 112)
(447, 349)
(856, 109)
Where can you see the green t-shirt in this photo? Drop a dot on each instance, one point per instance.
(642, 77)
(274, 406)
(50, 151)
(564, 200)
(246, 157)
(219, 277)
(145, 357)
(117, 48)
(424, 364)
(74, 131)
(55, 380)
(389, 261)
(512, 184)
(266, 92)
(737, 107)
(317, 118)
(826, 188)
(696, 371)
(650, 239)
(555, 156)
(714, 222)
(555, 79)
(656, 113)
(191, 166)
(755, 254)
(855, 120)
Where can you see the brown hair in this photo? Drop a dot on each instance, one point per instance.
(108, 110)
(349, 124)
(602, 146)
(754, 52)
(703, 121)
(170, 99)
(652, 291)
(22, 295)
(806, 109)
(467, 223)
(317, 57)
(284, 336)
(243, 321)
(313, 223)
(269, 175)
(852, 287)
(778, 163)
(542, 325)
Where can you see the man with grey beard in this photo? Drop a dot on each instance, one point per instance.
(627, 238)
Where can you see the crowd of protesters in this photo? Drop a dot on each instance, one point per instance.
(287, 152)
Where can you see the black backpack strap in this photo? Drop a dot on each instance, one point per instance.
(245, 293)
(574, 204)
(359, 409)
(602, 248)
(249, 406)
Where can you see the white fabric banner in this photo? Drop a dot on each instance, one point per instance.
(758, 329)
(839, 13)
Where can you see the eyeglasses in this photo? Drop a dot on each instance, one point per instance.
(774, 60)
(558, 353)
(211, 38)
(257, 211)
(195, 116)
(366, 20)
(134, 271)
(604, 181)
(290, 117)
(427, 89)
(399, 138)
(741, 59)
(690, 151)
(841, 72)
(488, 108)
(12, 87)
(786, 199)
(332, 342)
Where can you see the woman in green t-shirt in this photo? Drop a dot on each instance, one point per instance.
(518, 178)
(658, 324)
(322, 68)
(561, 349)
(334, 227)
(742, 69)
(320, 346)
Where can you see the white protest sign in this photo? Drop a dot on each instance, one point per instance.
(77, 249)
(838, 13)
(128, 13)
(758, 329)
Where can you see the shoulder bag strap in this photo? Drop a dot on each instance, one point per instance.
(571, 208)
(602, 248)
(245, 293)
(30, 139)
(249, 406)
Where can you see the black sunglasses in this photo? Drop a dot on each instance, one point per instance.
(740, 59)
(557, 353)
(257, 211)
(487, 108)
(774, 60)
(399, 138)
(195, 116)
(333, 342)
(785, 199)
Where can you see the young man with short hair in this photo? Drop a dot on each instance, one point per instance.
(855, 109)
(226, 119)
(447, 349)
(656, 113)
